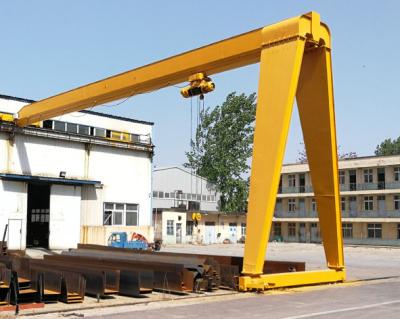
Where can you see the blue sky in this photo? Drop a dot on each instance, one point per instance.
(52, 46)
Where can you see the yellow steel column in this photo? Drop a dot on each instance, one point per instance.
(279, 73)
(317, 115)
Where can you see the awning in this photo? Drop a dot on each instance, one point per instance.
(48, 180)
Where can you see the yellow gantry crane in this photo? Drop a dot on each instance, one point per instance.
(295, 61)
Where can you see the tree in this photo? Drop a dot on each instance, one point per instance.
(302, 155)
(388, 147)
(222, 147)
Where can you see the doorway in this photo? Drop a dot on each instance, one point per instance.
(37, 226)
(179, 233)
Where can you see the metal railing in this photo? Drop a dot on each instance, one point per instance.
(343, 187)
(295, 214)
(345, 214)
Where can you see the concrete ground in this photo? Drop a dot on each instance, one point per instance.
(373, 289)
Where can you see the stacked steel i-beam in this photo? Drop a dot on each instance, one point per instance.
(101, 271)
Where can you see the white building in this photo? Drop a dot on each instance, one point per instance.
(74, 178)
(177, 187)
(177, 193)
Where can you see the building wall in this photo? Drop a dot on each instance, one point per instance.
(125, 175)
(212, 228)
(13, 206)
(171, 179)
(175, 218)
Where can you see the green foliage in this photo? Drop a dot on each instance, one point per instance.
(222, 148)
(388, 147)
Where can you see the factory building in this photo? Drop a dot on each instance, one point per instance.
(370, 202)
(177, 194)
(75, 178)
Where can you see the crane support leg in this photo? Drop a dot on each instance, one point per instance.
(286, 70)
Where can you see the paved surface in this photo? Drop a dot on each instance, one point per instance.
(368, 298)
(361, 262)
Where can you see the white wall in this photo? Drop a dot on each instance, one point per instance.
(65, 207)
(177, 217)
(13, 205)
(126, 176)
(170, 179)
(47, 157)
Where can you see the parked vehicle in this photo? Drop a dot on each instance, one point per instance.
(138, 241)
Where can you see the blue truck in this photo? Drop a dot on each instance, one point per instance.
(138, 241)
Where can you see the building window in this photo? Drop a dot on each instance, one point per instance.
(131, 214)
(292, 229)
(277, 229)
(72, 128)
(313, 205)
(292, 180)
(166, 194)
(203, 198)
(83, 129)
(368, 178)
(374, 230)
(342, 177)
(398, 231)
(160, 194)
(155, 194)
(347, 230)
(170, 227)
(397, 174)
(368, 203)
(396, 202)
(189, 228)
(243, 228)
(120, 214)
(343, 203)
(292, 204)
(99, 132)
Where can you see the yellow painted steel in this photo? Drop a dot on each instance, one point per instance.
(218, 57)
(290, 279)
(295, 61)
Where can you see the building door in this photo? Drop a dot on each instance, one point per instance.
(209, 234)
(233, 232)
(381, 178)
(353, 179)
(302, 207)
(302, 183)
(302, 233)
(37, 226)
(14, 236)
(353, 206)
(315, 238)
(381, 204)
(178, 233)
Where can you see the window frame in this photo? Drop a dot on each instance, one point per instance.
(368, 175)
(368, 203)
(374, 230)
(396, 200)
(342, 177)
(347, 230)
(396, 173)
(292, 229)
(170, 231)
(291, 205)
(292, 180)
(111, 214)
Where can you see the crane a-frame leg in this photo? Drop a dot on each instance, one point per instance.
(292, 68)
